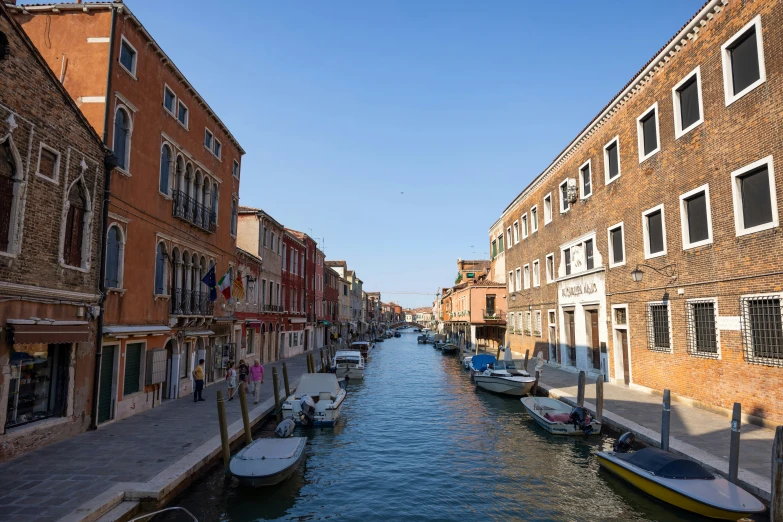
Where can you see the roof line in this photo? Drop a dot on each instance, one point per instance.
(120, 7)
(632, 87)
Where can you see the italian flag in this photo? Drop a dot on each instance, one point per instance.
(225, 285)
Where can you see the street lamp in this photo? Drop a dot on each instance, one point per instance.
(670, 271)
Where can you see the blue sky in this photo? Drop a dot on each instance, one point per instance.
(398, 131)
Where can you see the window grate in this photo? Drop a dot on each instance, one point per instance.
(762, 329)
(702, 329)
(658, 327)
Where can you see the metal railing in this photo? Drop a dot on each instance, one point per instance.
(493, 314)
(188, 209)
(272, 308)
(191, 302)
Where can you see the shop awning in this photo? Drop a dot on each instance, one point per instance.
(50, 333)
(326, 323)
(135, 330)
(198, 333)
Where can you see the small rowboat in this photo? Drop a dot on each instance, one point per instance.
(681, 482)
(449, 348)
(555, 417)
(266, 462)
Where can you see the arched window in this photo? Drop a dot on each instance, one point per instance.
(7, 180)
(74, 226)
(122, 134)
(161, 286)
(114, 257)
(165, 169)
(180, 174)
(215, 195)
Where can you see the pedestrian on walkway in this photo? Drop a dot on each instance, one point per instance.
(231, 378)
(198, 376)
(256, 379)
(243, 369)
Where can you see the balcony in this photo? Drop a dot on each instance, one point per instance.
(191, 302)
(188, 209)
(493, 314)
(272, 308)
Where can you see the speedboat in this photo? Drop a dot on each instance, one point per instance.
(266, 462)
(422, 339)
(397, 334)
(479, 363)
(679, 481)
(449, 348)
(503, 377)
(317, 400)
(348, 364)
(559, 418)
(362, 346)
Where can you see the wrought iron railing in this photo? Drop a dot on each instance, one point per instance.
(191, 302)
(272, 308)
(188, 209)
(493, 314)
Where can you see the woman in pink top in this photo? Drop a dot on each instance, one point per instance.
(256, 379)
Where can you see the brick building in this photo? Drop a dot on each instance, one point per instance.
(292, 341)
(332, 301)
(173, 209)
(247, 308)
(51, 199)
(645, 251)
(260, 233)
(313, 293)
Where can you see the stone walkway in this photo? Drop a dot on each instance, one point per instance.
(694, 432)
(49, 483)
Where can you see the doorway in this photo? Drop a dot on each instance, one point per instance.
(570, 336)
(106, 395)
(622, 336)
(591, 317)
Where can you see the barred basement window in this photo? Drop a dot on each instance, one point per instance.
(762, 329)
(702, 330)
(658, 337)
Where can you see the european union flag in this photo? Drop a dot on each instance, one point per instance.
(210, 281)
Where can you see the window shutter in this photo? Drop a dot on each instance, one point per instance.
(132, 368)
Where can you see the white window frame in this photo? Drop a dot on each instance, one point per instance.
(550, 274)
(167, 88)
(120, 258)
(528, 326)
(728, 87)
(124, 40)
(668, 304)
(646, 232)
(211, 139)
(689, 328)
(563, 202)
(518, 279)
(516, 232)
(234, 221)
(678, 130)
(534, 211)
(548, 218)
(536, 274)
(739, 224)
(511, 282)
(621, 226)
(607, 179)
(525, 226)
(589, 166)
(538, 325)
(131, 116)
(187, 114)
(686, 244)
(38, 173)
(509, 242)
(526, 276)
(640, 133)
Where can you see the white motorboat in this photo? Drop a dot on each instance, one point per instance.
(266, 462)
(466, 361)
(364, 347)
(317, 400)
(559, 418)
(348, 365)
(479, 363)
(503, 377)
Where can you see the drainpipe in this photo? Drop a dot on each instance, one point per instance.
(109, 163)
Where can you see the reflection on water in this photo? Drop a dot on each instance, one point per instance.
(418, 442)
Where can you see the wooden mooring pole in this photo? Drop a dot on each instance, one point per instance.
(776, 503)
(599, 400)
(580, 389)
(245, 416)
(527, 356)
(309, 363)
(276, 384)
(535, 384)
(285, 381)
(323, 361)
(224, 442)
(666, 413)
(734, 448)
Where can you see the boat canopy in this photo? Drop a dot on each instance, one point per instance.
(313, 384)
(480, 362)
(664, 464)
(351, 355)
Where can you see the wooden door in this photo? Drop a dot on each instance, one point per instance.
(569, 323)
(594, 345)
(105, 384)
(626, 357)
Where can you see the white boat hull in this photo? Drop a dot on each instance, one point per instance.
(266, 462)
(536, 407)
(350, 374)
(504, 385)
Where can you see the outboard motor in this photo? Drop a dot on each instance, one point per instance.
(624, 443)
(579, 417)
(308, 410)
(285, 428)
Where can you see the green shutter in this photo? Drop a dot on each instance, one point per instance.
(107, 373)
(132, 368)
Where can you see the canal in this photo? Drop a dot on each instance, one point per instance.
(417, 442)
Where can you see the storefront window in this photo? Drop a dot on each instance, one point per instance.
(39, 383)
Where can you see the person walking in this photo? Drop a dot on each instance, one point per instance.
(198, 376)
(256, 379)
(243, 369)
(231, 377)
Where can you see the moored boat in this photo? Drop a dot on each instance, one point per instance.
(559, 418)
(479, 363)
(266, 462)
(503, 377)
(317, 400)
(449, 348)
(348, 365)
(680, 482)
(364, 347)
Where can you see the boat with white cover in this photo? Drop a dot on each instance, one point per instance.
(559, 418)
(503, 377)
(365, 347)
(266, 462)
(317, 400)
(348, 364)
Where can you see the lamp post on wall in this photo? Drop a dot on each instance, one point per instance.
(670, 271)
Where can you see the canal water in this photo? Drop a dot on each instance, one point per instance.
(418, 442)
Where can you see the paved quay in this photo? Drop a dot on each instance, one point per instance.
(142, 456)
(696, 433)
